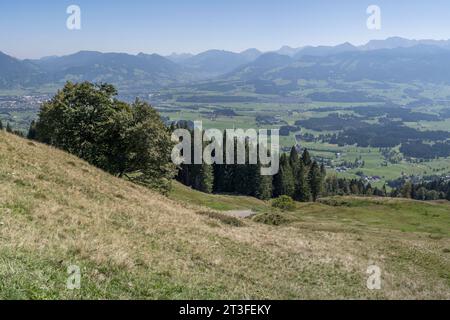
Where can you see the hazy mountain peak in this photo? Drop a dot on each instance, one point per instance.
(389, 43)
(215, 62)
(346, 45)
(398, 42)
(288, 51)
(179, 57)
(321, 51)
(251, 54)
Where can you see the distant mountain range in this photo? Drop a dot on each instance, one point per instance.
(119, 68)
(393, 59)
(216, 62)
(419, 63)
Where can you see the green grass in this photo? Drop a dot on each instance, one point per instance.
(217, 202)
(413, 237)
(131, 243)
(428, 218)
(388, 214)
(26, 275)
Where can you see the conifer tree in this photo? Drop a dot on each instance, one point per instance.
(287, 177)
(277, 185)
(264, 184)
(315, 181)
(406, 190)
(205, 178)
(448, 195)
(294, 159)
(323, 171)
(345, 186)
(369, 190)
(241, 183)
(302, 190)
(306, 158)
(384, 190)
(264, 187)
(32, 131)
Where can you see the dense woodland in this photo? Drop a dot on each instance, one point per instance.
(437, 189)
(299, 177)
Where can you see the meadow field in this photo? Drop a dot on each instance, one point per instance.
(57, 211)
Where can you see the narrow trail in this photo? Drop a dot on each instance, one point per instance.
(240, 213)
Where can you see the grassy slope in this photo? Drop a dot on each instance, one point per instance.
(56, 211)
(429, 218)
(216, 202)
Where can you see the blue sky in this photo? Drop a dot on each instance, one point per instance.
(31, 29)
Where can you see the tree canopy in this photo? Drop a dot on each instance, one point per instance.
(124, 139)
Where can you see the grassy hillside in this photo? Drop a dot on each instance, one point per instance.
(57, 211)
(428, 218)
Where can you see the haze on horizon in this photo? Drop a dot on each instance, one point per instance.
(32, 29)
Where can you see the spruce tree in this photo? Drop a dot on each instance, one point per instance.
(315, 181)
(306, 158)
(277, 184)
(32, 131)
(1, 125)
(384, 191)
(205, 178)
(260, 186)
(323, 171)
(229, 171)
(245, 175)
(286, 181)
(332, 186)
(448, 195)
(294, 158)
(220, 172)
(228, 180)
(8, 128)
(369, 190)
(345, 187)
(406, 190)
(218, 177)
(264, 187)
(242, 174)
(302, 190)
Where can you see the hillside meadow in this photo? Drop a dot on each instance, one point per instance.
(131, 243)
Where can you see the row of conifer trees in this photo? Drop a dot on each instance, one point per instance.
(298, 176)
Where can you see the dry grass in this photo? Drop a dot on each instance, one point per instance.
(56, 210)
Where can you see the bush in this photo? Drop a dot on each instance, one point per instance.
(284, 203)
(224, 218)
(272, 219)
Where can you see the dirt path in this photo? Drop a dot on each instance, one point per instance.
(240, 213)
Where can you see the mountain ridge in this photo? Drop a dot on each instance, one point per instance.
(153, 71)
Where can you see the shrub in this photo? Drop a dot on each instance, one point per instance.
(284, 203)
(271, 218)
